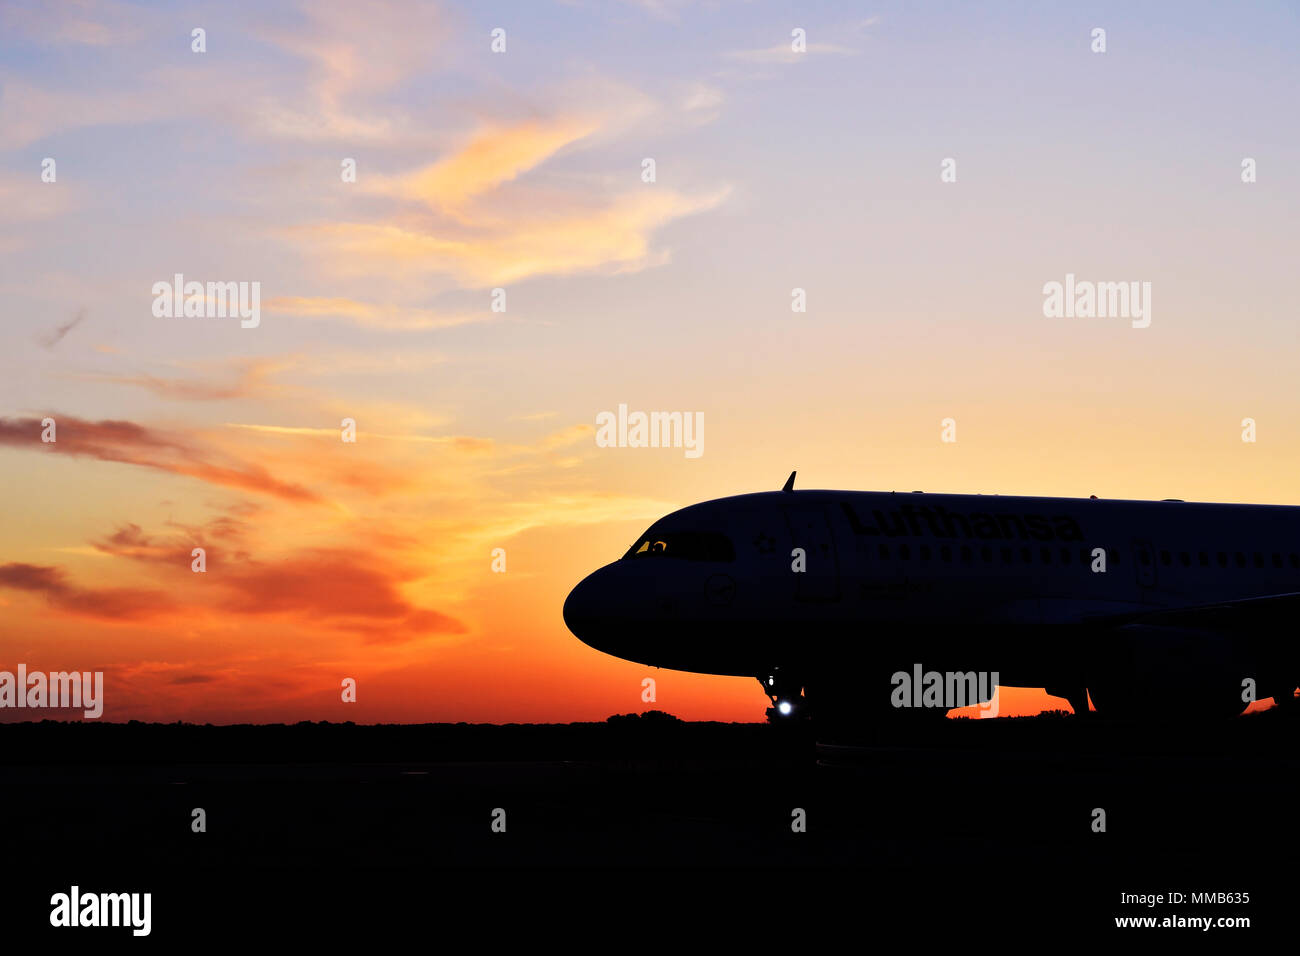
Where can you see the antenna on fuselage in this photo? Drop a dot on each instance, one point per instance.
(789, 482)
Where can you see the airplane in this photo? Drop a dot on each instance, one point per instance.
(1151, 609)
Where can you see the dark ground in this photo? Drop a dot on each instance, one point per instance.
(982, 826)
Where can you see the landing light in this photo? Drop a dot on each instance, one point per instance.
(785, 707)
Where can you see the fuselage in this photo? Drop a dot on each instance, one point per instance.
(821, 581)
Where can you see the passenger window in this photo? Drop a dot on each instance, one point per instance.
(1277, 560)
(945, 552)
(905, 552)
(925, 552)
(884, 552)
(1184, 559)
(1259, 560)
(1203, 558)
(1241, 559)
(1164, 558)
(1223, 559)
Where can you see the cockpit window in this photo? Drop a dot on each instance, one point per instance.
(690, 545)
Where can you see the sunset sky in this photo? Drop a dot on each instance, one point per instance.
(522, 170)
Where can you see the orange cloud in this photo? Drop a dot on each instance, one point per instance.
(475, 217)
(491, 157)
(614, 237)
(371, 315)
(351, 590)
(132, 444)
(130, 541)
(354, 590)
(250, 381)
(566, 436)
(105, 604)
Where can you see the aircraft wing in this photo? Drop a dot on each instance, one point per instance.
(1229, 617)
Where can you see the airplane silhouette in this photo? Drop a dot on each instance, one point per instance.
(827, 597)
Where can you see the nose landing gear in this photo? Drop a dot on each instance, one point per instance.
(786, 694)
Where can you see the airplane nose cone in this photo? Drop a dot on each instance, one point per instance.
(610, 610)
(597, 611)
(579, 609)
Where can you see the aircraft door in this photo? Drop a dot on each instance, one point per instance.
(811, 531)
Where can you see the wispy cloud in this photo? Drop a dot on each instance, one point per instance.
(132, 444)
(105, 604)
(491, 157)
(352, 589)
(464, 443)
(29, 113)
(25, 200)
(607, 235)
(477, 218)
(250, 381)
(56, 336)
(79, 23)
(372, 315)
(354, 53)
(784, 53)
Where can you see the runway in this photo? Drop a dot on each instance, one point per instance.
(999, 811)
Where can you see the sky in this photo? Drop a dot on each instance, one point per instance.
(499, 271)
